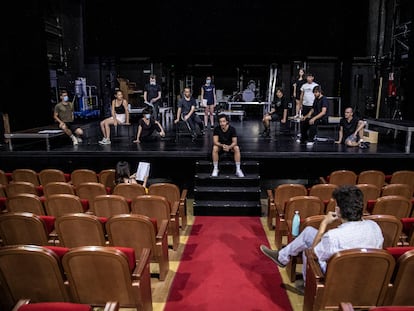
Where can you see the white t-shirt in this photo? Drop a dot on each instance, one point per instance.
(308, 96)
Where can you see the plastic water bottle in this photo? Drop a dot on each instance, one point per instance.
(296, 224)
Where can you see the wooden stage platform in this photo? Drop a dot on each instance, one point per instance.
(280, 157)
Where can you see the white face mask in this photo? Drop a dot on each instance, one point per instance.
(148, 116)
(208, 81)
(65, 98)
(152, 82)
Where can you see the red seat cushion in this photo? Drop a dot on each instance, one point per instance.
(130, 253)
(397, 251)
(55, 306)
(103, 220)
(370, 205)
(39, 190)
(85, 204)
(3, 201)
(67, 177)
(408, 223)
(59, 250)
(49, 222)
(154, 223)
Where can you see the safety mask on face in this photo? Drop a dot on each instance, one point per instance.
(147, 116)
(208, 81)
(65, 98)
(152, 82)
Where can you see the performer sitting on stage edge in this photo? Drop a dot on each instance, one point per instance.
(225, 140)
(147, 126)
(63, 114)
(351, 130)
(186, 111)
(278, 112)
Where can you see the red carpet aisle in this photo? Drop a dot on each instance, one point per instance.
(222, 268)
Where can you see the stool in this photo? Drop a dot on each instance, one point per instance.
(166, 115)
(129, 127)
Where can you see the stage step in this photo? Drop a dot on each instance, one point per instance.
(227, 194)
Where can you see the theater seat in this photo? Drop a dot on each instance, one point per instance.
(26, 305)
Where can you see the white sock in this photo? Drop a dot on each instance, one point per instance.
(238, 166)
(73, 137)
(215, 165)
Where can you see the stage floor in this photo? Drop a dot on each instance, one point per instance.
(279, 156)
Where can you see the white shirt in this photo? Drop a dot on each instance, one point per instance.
(308, 96)
(352, 234)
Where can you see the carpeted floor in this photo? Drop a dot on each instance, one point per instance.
(222, 268)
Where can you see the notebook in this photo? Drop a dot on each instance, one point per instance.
(142, 171)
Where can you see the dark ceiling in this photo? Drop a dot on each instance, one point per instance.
(225, 30)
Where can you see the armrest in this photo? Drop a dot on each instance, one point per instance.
(174, 209)
(183, 195)
(313, 262)
(270, 197)
(20, 303)
(142, 264)
(323, 180)
(163, 229)
(111, 306)
(345, 306)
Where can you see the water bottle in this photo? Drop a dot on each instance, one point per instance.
(296, 224)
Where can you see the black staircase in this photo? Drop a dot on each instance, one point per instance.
(227, 194)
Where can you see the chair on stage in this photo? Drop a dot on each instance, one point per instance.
(400, 293)
(58, 187)
(23, 174)
(374, 177)
(107, 178)
(397, 189)
(173, 194)
(370, 193)
(157, 207)
(347, 274)
(277, 198)
(98, 274)
(17, 187)
(391, 228)
(80, 229)
(49, 175)
(109, 205)
(340, 177)
(183, 128)
(32, 271)
(27, 305)
(25, 202)
(61, 204)
(82, 175)
(140, 232)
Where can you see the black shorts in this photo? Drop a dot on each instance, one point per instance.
(71, 126)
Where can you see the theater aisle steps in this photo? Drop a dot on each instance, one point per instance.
(227, 194)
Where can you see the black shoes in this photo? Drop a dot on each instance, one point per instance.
(272, 254)
(364, 145)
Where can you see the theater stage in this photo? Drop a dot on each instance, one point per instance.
(280, 157)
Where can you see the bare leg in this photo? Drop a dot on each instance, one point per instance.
(237, 155)
(214, 154)
(66, 129)
(206, 116)
(211, 108)
(298, 107)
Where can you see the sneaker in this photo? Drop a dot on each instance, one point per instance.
(215, 172)
(80, 140)
(239, 173)
(309, 144)
(105, 141)
(212, 127)
(272, 254)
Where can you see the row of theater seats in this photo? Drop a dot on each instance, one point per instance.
(362, 277)
(90, 275)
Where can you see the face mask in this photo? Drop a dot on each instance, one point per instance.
(65, 98)
(148, 116)
(208, 81)
(152, 82)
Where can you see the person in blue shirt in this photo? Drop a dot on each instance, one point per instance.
(208, 98)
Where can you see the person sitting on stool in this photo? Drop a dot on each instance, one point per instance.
(351, 130)
(147, 125)
(318, 114)
(225, 140)
(186, 111)
(278, 112)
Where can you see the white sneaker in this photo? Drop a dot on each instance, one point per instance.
(80, 140)
(309, 144)
(105, 141)
(239, 173)
(215, 172)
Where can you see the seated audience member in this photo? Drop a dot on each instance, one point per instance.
(186, 111)
(278, 112)
(123, 175)
(119, 115)
(147, 127)
(224, 141)
(354, 232)
(351, 130)
(63, 114)
(318, 114)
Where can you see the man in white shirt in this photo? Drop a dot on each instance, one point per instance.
(306, 94)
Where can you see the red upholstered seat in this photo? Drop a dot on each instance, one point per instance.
(398, 251)
(59, 250)
(49, 222)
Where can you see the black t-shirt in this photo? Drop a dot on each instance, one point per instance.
(318, 104)
(299, 84)
(225, 137)
(148, 129)
(185, 104)
(348, 128)
(279, 104)
(152, 90)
